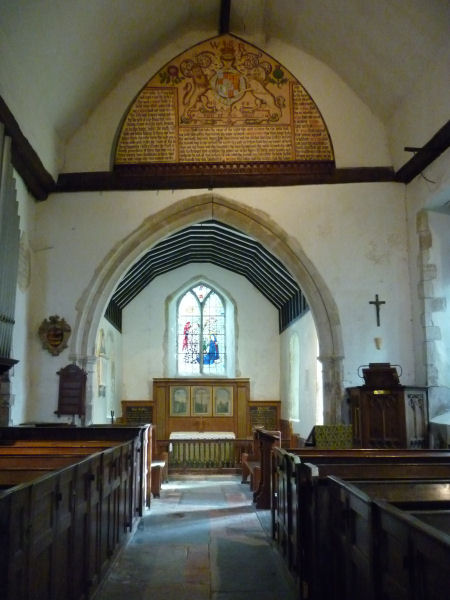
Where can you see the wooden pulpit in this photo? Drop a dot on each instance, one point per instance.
(386, 414)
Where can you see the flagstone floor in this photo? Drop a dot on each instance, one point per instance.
(201, 540)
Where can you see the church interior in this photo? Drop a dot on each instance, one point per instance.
(224, 249)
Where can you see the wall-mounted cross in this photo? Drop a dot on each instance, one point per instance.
(377, 304)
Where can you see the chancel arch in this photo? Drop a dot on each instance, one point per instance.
(254, 223)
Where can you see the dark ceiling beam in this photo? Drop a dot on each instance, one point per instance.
(100, 181)
(225, 9)
(425, 156)
(40, 183)
(24, 159)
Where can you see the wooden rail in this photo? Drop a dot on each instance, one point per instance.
(204, 454)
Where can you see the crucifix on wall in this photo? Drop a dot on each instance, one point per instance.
(377, 304)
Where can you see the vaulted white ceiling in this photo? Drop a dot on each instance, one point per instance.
(72, 52)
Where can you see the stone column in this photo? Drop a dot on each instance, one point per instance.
(332, 389)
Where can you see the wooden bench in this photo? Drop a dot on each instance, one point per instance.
(299, 509)
(260, 470)
(251, 464)
(378, 545)
(419, 541)
(66, 506)
(159, 469)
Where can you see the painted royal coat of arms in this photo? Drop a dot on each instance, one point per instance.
(223, 100)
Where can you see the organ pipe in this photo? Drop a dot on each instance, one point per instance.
(9, 245)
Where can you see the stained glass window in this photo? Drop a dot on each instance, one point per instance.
(201, 332)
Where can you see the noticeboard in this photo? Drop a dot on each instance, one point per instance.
(264, 416)
(138, 414)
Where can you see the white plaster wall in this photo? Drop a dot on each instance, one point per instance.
(440, 253)
(354, 235)
(359, 138)
(144, 323)
(27, 102)
(423, 111)
(309, 400)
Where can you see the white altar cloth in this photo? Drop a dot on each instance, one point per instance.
(202, 435)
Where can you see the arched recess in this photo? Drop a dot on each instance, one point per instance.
(255, 223)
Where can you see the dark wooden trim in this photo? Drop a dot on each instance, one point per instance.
(24, 159)
(110, 181)
(40, 183)
(425, 156)
(225, 9)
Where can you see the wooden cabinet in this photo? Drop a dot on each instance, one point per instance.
(389, 418)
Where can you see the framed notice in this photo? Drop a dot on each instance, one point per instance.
(264, 416)
(223, 401)
(179, 401)
(137, 412)
(201, 399)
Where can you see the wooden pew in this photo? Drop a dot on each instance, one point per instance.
(159, 467)
(57, 443)
(379, 549)
(251, 463)
(49, 462)
(159, 473)
(299, 511)
(60, 529)
(51, 450)
(283, 501)
(264, 442)
(418, 541)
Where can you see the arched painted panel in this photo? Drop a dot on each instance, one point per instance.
(221, 102)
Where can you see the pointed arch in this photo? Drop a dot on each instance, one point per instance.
(255, 223)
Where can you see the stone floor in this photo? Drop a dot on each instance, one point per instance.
(202, 540)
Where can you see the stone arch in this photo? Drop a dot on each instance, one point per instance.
(91, 305)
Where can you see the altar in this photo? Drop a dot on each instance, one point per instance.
(194, 449)
(202, 435)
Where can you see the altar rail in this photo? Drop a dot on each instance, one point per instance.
(204, 454)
